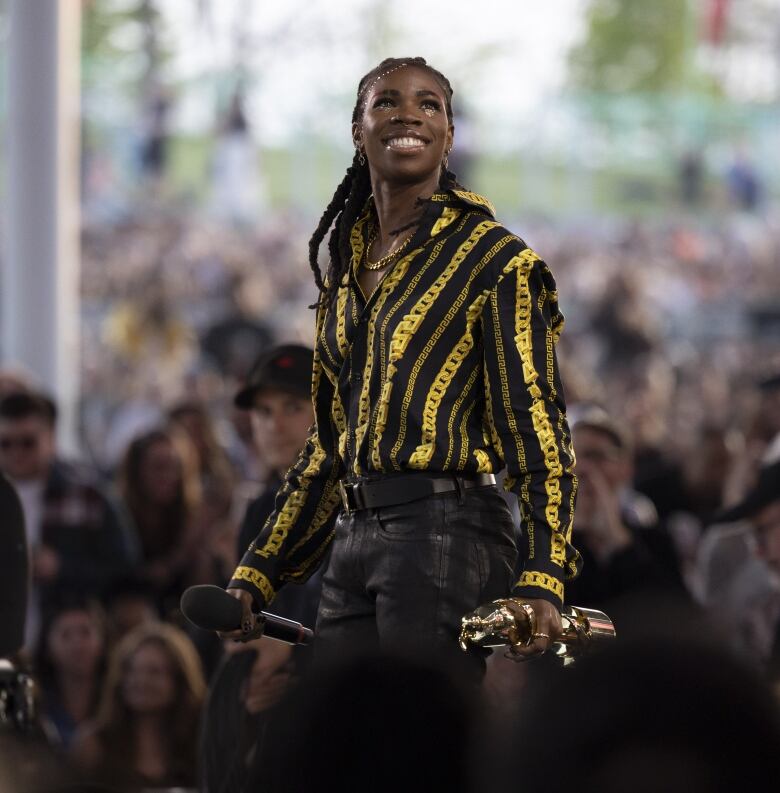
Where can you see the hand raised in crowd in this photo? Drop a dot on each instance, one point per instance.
(598, 515)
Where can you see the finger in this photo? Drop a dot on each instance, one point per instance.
(248, 619)
(539, 645)
(548, 626)
(523, 654)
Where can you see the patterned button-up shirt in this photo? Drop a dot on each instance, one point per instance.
(448, 366)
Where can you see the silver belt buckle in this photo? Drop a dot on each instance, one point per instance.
(344, 497)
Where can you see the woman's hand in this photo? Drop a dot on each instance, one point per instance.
(547, 629)
(248, 617)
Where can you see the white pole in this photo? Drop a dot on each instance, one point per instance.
(39, 299)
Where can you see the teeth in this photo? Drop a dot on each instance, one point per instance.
(405, 143)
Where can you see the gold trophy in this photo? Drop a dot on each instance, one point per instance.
(513, 622)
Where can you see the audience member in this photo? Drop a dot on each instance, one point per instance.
(160, 485)
(218, 482)
(251, 680)
(377, 723)
(77, 540)
(707, 471)
(668, 712)
(616, 528)
(739, 562)
(145, 733)
(278, 393)
(28, 764)
(70, 665)
(130, 601)
(216, 470)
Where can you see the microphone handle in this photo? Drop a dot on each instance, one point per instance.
(280, 629)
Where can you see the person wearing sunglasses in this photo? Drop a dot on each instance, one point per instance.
(77, 539)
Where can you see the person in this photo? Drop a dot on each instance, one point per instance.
(145, 733)
(365, 703)
(278, 393)
(623, 547)
(739, 566)
(218, 480)
(254, 676)
(130, 601)
(160, 485)
(78, 539)
(645, 714)
(252, 679)
(434, 367)
(70, 665)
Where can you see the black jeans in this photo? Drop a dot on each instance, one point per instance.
(401, 577)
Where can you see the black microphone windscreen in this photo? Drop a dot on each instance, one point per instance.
(14, 571)
(211, 608)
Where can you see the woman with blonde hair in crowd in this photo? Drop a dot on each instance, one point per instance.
(145, 734)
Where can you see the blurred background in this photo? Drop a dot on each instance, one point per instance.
(632, 144)
(164, 163)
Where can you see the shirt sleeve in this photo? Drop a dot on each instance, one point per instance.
(526, 418)
(297, 533)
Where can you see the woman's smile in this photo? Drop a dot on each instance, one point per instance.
(406, 141)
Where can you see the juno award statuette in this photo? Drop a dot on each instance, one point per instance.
(512, 622)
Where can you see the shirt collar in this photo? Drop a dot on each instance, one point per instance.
(442, 209)
(446, 198)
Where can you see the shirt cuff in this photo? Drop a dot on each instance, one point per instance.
(256, 583)
(542, 586)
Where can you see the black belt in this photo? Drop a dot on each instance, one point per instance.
(387, 491)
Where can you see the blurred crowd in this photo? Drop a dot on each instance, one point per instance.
(671, 362)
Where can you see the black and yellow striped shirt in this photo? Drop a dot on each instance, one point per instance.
(449, 366)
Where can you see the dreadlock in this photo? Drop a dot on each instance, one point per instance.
(351, 195)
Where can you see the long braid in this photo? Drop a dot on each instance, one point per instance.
(334, 208)
(351, 195)
(361, 190)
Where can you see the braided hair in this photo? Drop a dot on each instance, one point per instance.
(351, 195)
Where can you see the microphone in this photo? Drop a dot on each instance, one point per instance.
(14, 571)
(211, 608)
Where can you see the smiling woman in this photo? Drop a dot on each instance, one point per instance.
(434, 368)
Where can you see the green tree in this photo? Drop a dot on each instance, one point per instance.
(633, 46)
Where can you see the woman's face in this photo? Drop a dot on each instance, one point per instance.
(75, 643)
(148, 685)
(404, 131)
(161, 473)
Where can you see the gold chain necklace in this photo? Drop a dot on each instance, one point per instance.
(388, 258)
